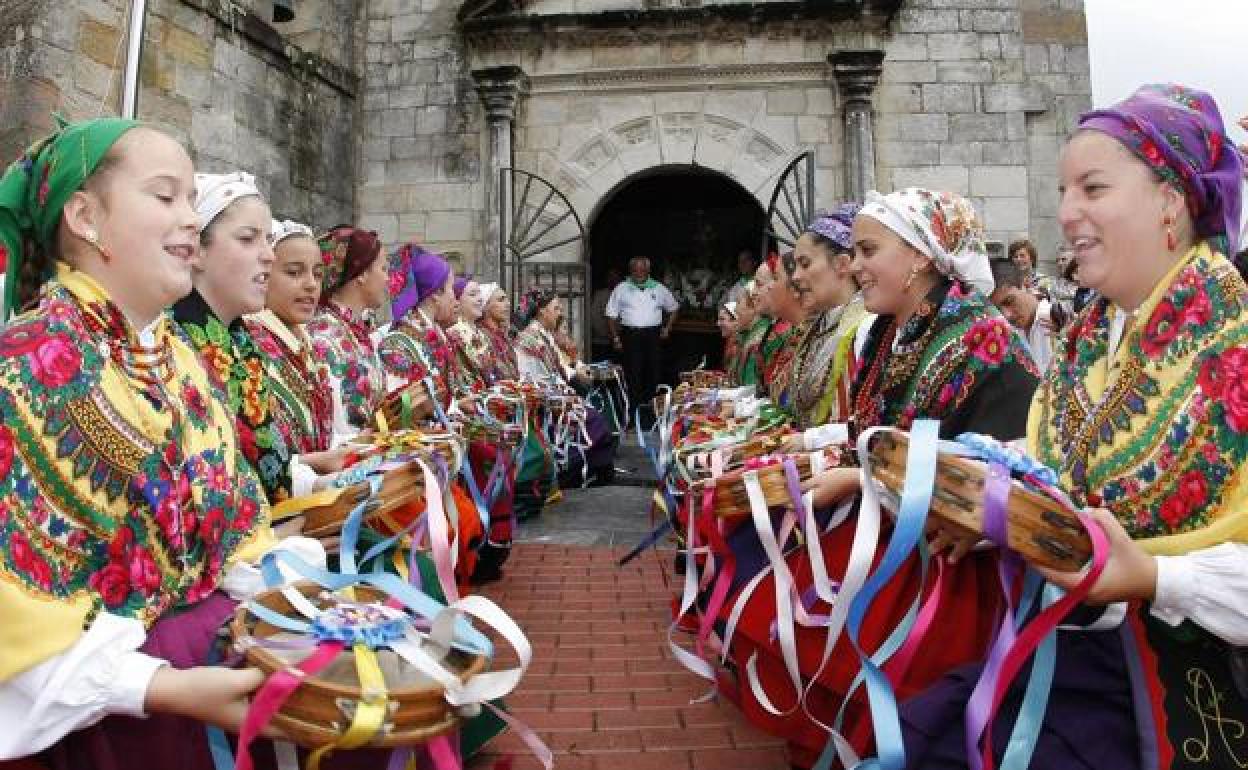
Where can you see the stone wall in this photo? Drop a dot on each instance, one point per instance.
(217, 76)
(976, 97)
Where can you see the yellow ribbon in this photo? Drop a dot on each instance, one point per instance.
(294, 506)
(370, 710)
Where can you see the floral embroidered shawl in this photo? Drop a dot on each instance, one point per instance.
(536, 343)
(343, 341)
(122, 488)
(503, 365)
(956, 360)
(1158, 434)
(473, 356)
(822, 366)
(232, 359)
(416, 348)
(749, 352)
(303, 407)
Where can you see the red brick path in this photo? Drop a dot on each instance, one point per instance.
(603, 690)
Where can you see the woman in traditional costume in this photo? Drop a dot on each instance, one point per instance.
(355, 286)
(936, 349)
(540, 316)
(474, 354)
(127, 504)
(776, 347)
(752, 327)
(303, 408)
(823, 364)
(496, 324)
(1143, 415)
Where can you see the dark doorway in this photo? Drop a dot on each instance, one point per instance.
(692, 223)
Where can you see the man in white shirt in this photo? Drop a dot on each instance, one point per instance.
(640, 314)
(1033, 316)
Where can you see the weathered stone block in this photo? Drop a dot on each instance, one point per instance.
(1009, 71)
(407, 96)
(1016, 97)
(996, 21)
(1005, 153)
(183, 45)
(925, 20)
(1036, 58)
(92, 78)
(910, 153)
(821, 101)
(1077, 59)
(923, 127)
(990, 46)
(786, 101)
(1016, 126)
(1011, 45)
(194, 84)
(1006, 214)
(965, 71)
(908, 72)
(813, 129)
(98, 41)
(906, 47)
(376, 148)
(941, 178)
(965, 128)
(898, 97)
(999, 181)
(429, 120)
(386, 225)
(953, 45)
(395, 122)
(948, 98)
(1055, 27)
(406, 26)
(411, 147)
(1043, 194)
(961, 153)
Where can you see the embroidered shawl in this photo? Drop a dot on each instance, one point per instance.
(749, 352)
(956, 360)
(122, 488)
(822, 366)
(503, 365)
(777, 350)
(473, 356)
(233, 361)
(536, 343)
(416, 348)
(342, 339)
(303, 407)
(1159, 433)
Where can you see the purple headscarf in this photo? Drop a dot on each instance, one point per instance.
(461, 283)
(415, 276)
(836, 225)
(1179, 133)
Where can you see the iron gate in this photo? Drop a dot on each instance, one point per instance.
(792, 205)
(543, 245)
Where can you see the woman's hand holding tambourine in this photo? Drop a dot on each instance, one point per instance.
(1130, 572)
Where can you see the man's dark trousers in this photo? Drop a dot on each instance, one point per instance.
(642, 354)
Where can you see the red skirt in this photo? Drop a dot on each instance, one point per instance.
(961, 632)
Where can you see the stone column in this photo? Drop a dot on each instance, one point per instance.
(499, 89)
(857, 73)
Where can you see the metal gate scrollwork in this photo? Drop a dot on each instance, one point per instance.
(792, 205)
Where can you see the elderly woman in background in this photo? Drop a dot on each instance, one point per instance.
(1143, 417)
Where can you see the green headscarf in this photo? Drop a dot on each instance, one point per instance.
(37, 185)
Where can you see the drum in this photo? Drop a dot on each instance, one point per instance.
(400, 486)
(324, 704)
(1038, 528)
(407, 407)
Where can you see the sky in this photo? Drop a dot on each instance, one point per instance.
(1201, 43)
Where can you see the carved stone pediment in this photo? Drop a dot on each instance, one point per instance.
(502, 23)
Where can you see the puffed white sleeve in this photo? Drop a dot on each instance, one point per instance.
(243, 580)
(667, 300)
(827, 435)
(103, 673)
(613, 304)
(531, 367)
(1208, 587)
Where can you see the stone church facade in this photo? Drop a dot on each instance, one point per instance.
(401, 114)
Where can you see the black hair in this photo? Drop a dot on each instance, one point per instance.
(1006, 273)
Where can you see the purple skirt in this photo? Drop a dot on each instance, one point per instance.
(1089, 722)
(166, 741)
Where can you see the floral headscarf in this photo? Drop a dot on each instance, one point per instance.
(347, 252)
(531, 303)
(36, 186)
(415, 275)
(836, 225)
(215, 192)
(941, 225)
(1179, 133)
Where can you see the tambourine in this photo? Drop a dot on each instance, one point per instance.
(731, 500)
(325, 703)
(407, 407)
(1039, 529)
(400, 486)
(705, 378)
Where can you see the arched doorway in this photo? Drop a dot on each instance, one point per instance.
(692, 223)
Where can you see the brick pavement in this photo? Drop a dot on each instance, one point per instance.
(604, 691)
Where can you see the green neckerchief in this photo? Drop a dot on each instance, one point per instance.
(649, 283)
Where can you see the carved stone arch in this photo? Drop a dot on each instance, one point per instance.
(588, 170)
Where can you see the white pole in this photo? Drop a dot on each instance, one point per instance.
(134, 50)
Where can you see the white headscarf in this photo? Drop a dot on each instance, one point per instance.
(285, 228)
(943, 226)
(488, 289)
(213, 192)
